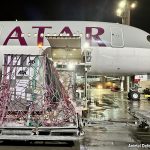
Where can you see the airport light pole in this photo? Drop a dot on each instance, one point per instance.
(123, 11)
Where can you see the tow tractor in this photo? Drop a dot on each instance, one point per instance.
(146, 93)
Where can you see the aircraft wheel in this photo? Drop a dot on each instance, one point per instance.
(134, 95)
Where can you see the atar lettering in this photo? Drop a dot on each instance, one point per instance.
(96, 37)
(92, 39)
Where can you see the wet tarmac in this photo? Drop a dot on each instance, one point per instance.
(39, 146)
(109, 126)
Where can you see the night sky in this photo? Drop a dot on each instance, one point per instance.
(79, 10)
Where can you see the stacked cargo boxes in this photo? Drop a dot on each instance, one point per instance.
(32, 95)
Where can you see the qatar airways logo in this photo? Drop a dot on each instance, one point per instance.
(93, 38)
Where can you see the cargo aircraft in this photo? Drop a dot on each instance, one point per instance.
(115, 48)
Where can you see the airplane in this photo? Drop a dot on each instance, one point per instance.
(115, 48)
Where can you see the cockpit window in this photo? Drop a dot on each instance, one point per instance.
(148, 38)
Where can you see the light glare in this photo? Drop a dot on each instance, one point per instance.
(122, 4)
(40, 45)
(86, 45)
(99, 86)
(133, 5)
(71, 66)
(119, 12)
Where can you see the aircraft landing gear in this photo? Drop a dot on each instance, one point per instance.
(134, 95)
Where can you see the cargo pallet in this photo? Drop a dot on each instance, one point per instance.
(34, 104)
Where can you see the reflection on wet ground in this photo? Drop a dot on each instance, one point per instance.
(116, 129)
(112, 106)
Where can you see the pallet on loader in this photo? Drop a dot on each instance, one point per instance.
(33, 100)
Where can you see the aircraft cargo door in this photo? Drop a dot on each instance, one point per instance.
(116, 37)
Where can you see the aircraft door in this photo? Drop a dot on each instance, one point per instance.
(117, 37)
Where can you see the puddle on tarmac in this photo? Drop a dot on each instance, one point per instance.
(109, 107)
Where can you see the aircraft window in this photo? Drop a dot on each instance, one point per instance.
(148, 38)
(48, 34)
(35, 34)
(80, 34)
(29, 34)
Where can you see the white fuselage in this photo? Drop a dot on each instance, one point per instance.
(115, 48)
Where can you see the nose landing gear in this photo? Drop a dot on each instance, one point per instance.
(134, 95)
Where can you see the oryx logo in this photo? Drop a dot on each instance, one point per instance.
(31, 61)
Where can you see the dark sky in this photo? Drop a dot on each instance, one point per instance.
(84, 10)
